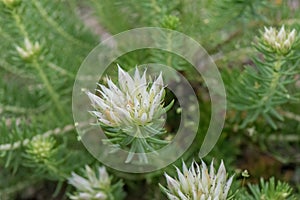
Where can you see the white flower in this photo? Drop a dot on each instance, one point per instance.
(132, 102)
(134, 108)
(198, 183)
(29, 49)
(94, 187)
(281, 40)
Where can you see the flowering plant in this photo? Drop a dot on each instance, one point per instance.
(279, 41)
(198, 182)
(50, 150)
(132, 112)
(96, 186)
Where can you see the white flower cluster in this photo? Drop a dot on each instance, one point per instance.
(197, 183)
(29, 49)
(133, 102)
(281, 40)
(92, 187)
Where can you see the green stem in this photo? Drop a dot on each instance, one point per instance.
(56, 26)
(19, 24)
(52, 168)
(13, 109)
(53, 95)
(155, 6)
(51, 91)
(5, 35)
(19, 144)
(291, 115)
(60, 70)
(14, 70)
(274, 83)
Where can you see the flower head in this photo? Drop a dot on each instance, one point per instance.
(170, 22)
(198, 183)
(134, 108)
(132, 102)
(29, 49)
(41, 148)
(97, 187)
(281, 41)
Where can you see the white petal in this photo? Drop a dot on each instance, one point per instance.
(281, 35)
(157, 98)
(101, 196)
(97, 101)
(114, 117)
(183, 181)
(79, 182)
(22, 52)
(144, 118)
(287, 44)
(266, 29)
(173, 185)
(125, 81)
(36, 46)
(109, 93)
(181, 195)
(221, 175)
(157, 84)
(203, 197)
(172, 197)
(227, 187)
(204, 177)
(97, 114)
(103, 175)
(212, 170)
(113, 87)
(105, 121)
(28, 44)
(143, 80)
(90, 174)
(292, 36)
(84, 196)
(123, 113)
(137, 105)
(218, 189)
(137, 75)
(277, 45)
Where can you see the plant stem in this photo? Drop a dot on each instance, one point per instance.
(274, 83)
(53, 95)
(52, 168)
(19, 24)
(48, 86)
(18, 144)
(291, 115)
(56, 26)
(155, 6)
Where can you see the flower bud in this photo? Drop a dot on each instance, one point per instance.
(41, 148)
(170, 22)
(95, 186)
(279, 41)
(29, 51)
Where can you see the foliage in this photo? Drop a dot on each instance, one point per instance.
(44, 42)
(267, 81)
(268, 190)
